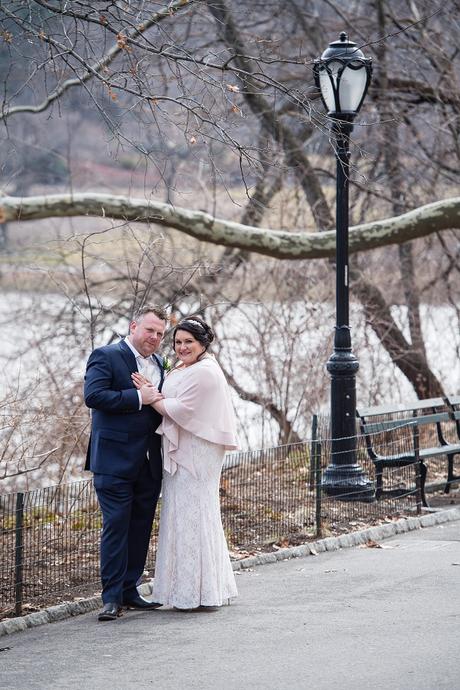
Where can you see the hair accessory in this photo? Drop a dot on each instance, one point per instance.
(192, 321)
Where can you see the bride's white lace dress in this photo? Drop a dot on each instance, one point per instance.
(192, 562)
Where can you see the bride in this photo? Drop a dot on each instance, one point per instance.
(193, 568)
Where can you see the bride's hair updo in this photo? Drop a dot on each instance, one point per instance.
(196, 327)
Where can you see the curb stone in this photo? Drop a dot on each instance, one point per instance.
(49, 615)
(344, 541)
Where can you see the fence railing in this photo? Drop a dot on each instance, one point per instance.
(49, 538)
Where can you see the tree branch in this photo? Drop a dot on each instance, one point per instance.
(91, 70)
(422, 221)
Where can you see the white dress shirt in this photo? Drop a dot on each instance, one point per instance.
(147, 366)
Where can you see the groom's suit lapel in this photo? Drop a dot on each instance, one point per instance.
(128, 356)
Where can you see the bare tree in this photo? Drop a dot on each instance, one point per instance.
(201, 117)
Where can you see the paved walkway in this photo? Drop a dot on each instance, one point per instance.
(380, 618)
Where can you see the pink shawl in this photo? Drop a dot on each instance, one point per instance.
(197, 399)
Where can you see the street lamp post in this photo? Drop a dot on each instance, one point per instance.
(343, 75)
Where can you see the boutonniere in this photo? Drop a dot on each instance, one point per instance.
(166, 364)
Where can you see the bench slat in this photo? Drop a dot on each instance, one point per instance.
(450, 449)
(376, 427)
(394, 409)
(409, 457)
(389, 424)
(454, 403)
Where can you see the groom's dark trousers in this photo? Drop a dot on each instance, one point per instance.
(124, 453)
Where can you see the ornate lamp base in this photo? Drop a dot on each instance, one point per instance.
(348, 483)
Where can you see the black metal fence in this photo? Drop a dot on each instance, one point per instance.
(49, 542)
(49, 538)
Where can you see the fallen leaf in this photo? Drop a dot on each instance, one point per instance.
(370, 544)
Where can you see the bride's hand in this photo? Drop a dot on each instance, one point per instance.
(139, 380)
(157, 397)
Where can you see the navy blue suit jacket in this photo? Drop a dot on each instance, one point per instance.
(121, 434)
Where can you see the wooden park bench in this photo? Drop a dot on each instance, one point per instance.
(426, 427)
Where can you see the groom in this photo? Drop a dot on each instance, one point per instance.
(124, 454)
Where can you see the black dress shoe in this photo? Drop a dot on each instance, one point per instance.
(110, 612)
(141, 604)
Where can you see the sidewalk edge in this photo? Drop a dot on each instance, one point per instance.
(344, 541)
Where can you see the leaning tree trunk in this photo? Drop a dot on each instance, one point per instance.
(409, 360)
